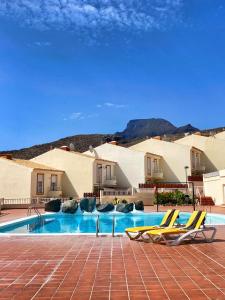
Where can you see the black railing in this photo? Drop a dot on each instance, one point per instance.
(172, 185)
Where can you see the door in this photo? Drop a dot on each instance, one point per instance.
(54, 180)
(99, 174)
(40, 184)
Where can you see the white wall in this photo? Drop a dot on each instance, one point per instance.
(175, 157)
(220, 135)
(78, 177)
(213, 148)
(215, 153)
(214, 187)
(194, 140)
(15, 180)
(130, 170)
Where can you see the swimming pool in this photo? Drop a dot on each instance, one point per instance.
(60, 223)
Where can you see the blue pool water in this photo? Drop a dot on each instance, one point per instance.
(86, 223)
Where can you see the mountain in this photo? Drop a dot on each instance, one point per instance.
(184, 129)
(152, 127)
(135, 132)
(81, 144)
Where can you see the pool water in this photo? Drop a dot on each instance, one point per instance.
(86, 223)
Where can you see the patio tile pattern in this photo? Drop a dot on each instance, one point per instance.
(87, 268)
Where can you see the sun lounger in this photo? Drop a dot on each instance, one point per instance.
(168, 220)
(193, 228)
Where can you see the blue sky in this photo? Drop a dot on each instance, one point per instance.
(88, 66)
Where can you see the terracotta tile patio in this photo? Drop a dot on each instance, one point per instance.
(86, 267)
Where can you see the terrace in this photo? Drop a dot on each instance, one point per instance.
(86, 267)
(153, 169)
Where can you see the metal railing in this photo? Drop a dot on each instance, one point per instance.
(98, 226)
(35, 209)
(188, 187)
(15, 201)
(21, 202)
(111, 181)
(55, 189)
(127, 192)
(113, 227)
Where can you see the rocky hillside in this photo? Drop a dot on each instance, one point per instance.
(152, 127)
(136, 131)
(81, 144)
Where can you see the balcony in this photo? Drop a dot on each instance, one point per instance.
(56, 192)
(156, 173)
(107, 182)
(110, 182)
(197, 170)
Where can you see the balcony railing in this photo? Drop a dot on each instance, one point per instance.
(108, 182)
(25, 202)
(198, 170)
(122, 192)
(55, 189)
(155, 173)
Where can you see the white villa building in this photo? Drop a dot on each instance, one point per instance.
(83, 173)
(178, 161)
(28, 179)
(133, 167)
(212, 148)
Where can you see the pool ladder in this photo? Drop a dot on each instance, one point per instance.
(29, 210)
(98, 226)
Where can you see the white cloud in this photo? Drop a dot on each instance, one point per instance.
(80, 116)
(42, 44)
(92, 15)
(111, 105)
(76, 116)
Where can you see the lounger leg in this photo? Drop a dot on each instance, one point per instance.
(163, 237)
(149, 239)
(134, 237)
(209, 240)
(204, 236)
(181, 238)
(212, 236)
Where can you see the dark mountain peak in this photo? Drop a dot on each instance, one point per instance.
(185, 128)
(147, 127)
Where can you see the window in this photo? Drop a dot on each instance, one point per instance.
(99, 173)
(155, 165)
(54, 179)
(40, 183)
(108, 172)
(193, 159)
(148, 165)
(198, 160)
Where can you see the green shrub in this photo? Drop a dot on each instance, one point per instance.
(173, 198)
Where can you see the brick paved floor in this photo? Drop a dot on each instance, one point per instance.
(86, 267)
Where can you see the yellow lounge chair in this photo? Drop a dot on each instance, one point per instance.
(168, 221)
(194, 226)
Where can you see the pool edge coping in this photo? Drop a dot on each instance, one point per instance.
(8, 223)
